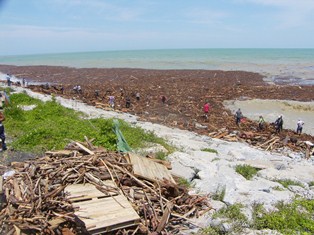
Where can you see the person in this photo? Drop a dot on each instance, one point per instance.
(163, 99)
(300, 124)
(261, 123)
(127, 102)
(279, 124)
(206, 109)
(23, 82)
(137, 96)
(2, 135)
(238, 116)
(111, 101)
(79, 89)
(96, 93)
(9, 80)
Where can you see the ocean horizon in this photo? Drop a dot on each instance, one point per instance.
(288, 65)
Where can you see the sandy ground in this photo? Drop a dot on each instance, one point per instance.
(291, 111)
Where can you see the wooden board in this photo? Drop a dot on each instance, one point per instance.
(80, 192)
(106, 214)
(148, 169)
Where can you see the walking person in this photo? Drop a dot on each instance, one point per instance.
(300, 124)
(206, 109)
(238, 116)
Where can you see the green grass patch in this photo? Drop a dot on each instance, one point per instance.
(278, 188)
(161, 155)
(184, 182)
(288, 182)
(209, 150)
(219, 194)
(50, 126)
(292, 218)
(138, 138)
(234, 216)
(311, 183)
(246, 171)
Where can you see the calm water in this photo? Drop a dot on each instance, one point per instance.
(286, 65)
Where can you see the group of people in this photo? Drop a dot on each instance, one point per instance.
(278, 124)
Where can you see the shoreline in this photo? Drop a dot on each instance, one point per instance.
(186, 92)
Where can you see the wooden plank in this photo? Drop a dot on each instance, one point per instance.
(84, 148)
(106, 214)
(148, 169)
(80, 192)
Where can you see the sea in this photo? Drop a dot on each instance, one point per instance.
(281, 66)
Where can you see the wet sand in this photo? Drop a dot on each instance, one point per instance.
(186, 92)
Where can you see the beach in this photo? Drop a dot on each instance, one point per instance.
(186, 92)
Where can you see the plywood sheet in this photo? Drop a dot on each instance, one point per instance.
(80, 192)
(106, 214)
(148, 169)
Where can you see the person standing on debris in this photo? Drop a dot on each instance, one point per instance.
(111, 101)
(2, 135)
(279, 124)
(163, 99)
(8, 80)
(138, 96)
(23, 82)
(96, 93)
(238, 116)
(206, 109)
(127, 102)
(261, 123)
(300, 124)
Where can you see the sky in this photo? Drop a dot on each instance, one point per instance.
(56, 26)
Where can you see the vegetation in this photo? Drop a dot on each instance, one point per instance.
(288, 182)
(209, 150)
(161, 155)
(219, 194)
(51, 126)
(246, 171)
(184, 182)
(234, 216)
(311, 183)
(294, 218)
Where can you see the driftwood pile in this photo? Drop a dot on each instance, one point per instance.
(35, 201)
(268, 141)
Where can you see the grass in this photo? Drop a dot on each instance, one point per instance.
(161, 155)
(184, 182)
(246, 171)
(292, 218)
(209, 150)
(51, 126)
(286, 183)
(234, 216)
(311, 183)
(277, 188)
(219, 194)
